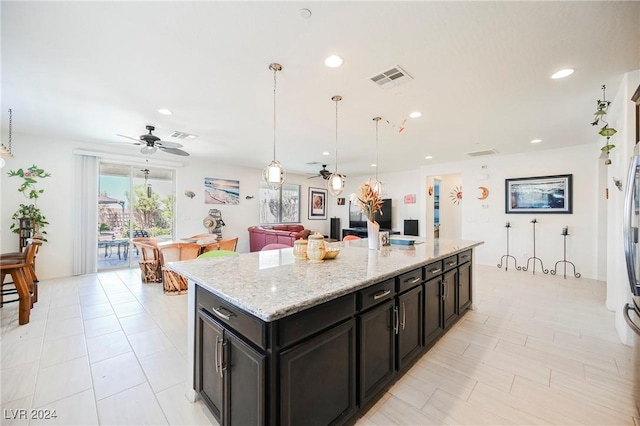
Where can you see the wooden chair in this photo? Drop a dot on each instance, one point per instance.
(174, 283)
(28, 257)
(230, 244)
(150, 267)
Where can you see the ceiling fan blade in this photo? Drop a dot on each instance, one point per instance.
(175, 151)
(129, 137)
(313, 177)
(168, 144)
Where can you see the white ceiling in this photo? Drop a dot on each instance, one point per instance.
(86, 71)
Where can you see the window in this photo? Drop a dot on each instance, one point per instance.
(279, 205)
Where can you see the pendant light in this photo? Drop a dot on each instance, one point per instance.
(274, 174)
(146, 182)
(5, 152)
(335, 183)
(376, 185)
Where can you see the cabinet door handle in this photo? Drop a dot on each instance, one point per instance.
(215, 355)
(444, 289)
(381, 294)
(404, 315)
(415, 280)
(221, 313)
(435, 270)
(396, 320)
(222, 363)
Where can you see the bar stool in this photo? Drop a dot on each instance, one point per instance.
(21, 279)
(28, 256)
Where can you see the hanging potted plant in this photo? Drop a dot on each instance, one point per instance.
(30, 212)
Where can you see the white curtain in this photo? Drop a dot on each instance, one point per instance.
(85, 212)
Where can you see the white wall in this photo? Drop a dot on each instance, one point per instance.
(485, 219)
(622, 118)
(56, 157)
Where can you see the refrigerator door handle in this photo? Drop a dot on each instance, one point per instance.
(629, 233)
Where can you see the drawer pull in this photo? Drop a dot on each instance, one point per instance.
(435, 270)
(453, 263)
(381, 294)
(223, 313)
(415, 280)
(464, 256)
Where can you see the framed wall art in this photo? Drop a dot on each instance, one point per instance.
(543, 194)
(317, 203)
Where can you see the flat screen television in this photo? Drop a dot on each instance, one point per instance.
(359, 220)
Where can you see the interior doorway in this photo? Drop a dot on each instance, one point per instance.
(444, 207)
(132, 201)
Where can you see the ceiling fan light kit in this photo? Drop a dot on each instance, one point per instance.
(153, 143)
(336, 182)
(274, 174)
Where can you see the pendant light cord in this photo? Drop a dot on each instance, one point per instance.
(337, 99)
(10, 126)
(275, 70)
(377, 154)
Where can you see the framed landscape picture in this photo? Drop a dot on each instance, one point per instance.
(544, 194)
(317, 203)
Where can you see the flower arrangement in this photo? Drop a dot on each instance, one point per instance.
(368, 200)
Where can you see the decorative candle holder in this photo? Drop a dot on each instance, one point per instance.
(534, 258)
(564, 261)
(507, 256)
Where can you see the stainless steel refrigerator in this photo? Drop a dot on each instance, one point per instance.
(631, 224)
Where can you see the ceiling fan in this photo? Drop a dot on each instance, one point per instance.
(152, 143)
(323, 173)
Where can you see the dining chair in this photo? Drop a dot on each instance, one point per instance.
(351, 238)
(150, 268)
(229, 244)
(173, 282)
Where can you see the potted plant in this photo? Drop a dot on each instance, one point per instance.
(31, 212)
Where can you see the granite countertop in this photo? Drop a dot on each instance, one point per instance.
(273, 284)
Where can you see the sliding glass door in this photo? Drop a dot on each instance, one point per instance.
(132, 201)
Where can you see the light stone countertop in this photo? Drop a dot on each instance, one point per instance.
(273, 284)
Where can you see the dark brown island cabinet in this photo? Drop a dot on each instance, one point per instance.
(328, 364)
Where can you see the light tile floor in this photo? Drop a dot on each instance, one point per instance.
(106, 349)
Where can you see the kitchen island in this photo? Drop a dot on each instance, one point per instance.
(281, 341)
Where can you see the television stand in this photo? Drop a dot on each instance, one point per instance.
(362, 232)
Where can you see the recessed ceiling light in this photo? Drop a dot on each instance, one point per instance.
(415, 114)
(562, 73)
(333, 61)
(536, 141)
(326, 153)
(373, 165)
(428, 157)
(165, 111)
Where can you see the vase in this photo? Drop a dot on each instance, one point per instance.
(315, 248)
(373, 228)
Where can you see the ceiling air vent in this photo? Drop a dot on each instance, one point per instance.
(391, 78)
(481, 153)
(182, 135)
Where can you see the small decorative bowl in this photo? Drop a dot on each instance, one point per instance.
(331, 253)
